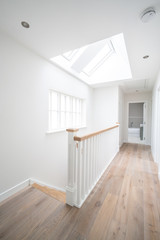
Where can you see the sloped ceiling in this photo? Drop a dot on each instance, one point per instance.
(58, 26)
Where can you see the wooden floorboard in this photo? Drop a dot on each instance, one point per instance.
(59, 195)
(124, 205)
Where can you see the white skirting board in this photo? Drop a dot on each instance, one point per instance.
(32, 180)
(11, 191)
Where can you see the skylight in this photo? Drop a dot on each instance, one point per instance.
(99, 62)
(69, 55)
(99, 59)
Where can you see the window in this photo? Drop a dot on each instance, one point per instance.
(98, 62)
(99, 59)
(65, 111)
(69, 55)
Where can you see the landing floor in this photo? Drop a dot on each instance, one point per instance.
(124, 205)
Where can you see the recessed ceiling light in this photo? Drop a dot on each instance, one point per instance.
(25, 24)
(146, 56)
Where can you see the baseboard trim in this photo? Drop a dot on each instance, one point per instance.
(143, 143)
(8, 193)
(11, 191)
(33, 180)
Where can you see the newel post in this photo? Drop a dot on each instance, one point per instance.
(71, 187)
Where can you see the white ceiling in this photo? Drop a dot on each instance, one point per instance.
(58, 26)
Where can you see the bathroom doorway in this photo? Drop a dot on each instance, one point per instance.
(137, 122)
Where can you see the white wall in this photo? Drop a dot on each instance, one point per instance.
(105, 104)
(121, 116)
(155, 126)
(138, 97)
(25, 148)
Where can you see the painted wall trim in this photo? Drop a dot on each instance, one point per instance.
(8, 193)
(11, 191)
(33, 180)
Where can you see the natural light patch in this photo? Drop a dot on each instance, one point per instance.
(99, 62)
(99, 59)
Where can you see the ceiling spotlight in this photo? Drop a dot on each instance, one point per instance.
(147, 15)
(146, 56)
(25, 24)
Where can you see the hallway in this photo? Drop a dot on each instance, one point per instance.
(123, 205)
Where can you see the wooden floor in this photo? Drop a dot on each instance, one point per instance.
(61, 196)
(125, 204)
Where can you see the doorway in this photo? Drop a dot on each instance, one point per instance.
(137, 122)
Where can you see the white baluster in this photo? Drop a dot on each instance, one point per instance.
(90, 163)
(97, 156)
(71, 185)
(87, 166)
(95, 151)
(79, 174)
(99, 153)
(92, 150)
(83, 171)
(95, 146)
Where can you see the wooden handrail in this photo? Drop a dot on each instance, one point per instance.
(79, 139)
(72, 129)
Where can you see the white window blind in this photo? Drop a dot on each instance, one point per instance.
(65, 111)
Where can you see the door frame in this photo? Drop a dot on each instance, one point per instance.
(146, 120)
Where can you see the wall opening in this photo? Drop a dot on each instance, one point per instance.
(136, 122)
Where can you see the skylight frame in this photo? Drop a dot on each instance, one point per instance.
(71, 54)
(103, 70)
(102, 60)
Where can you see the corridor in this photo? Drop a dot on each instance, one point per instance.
(123, 205)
